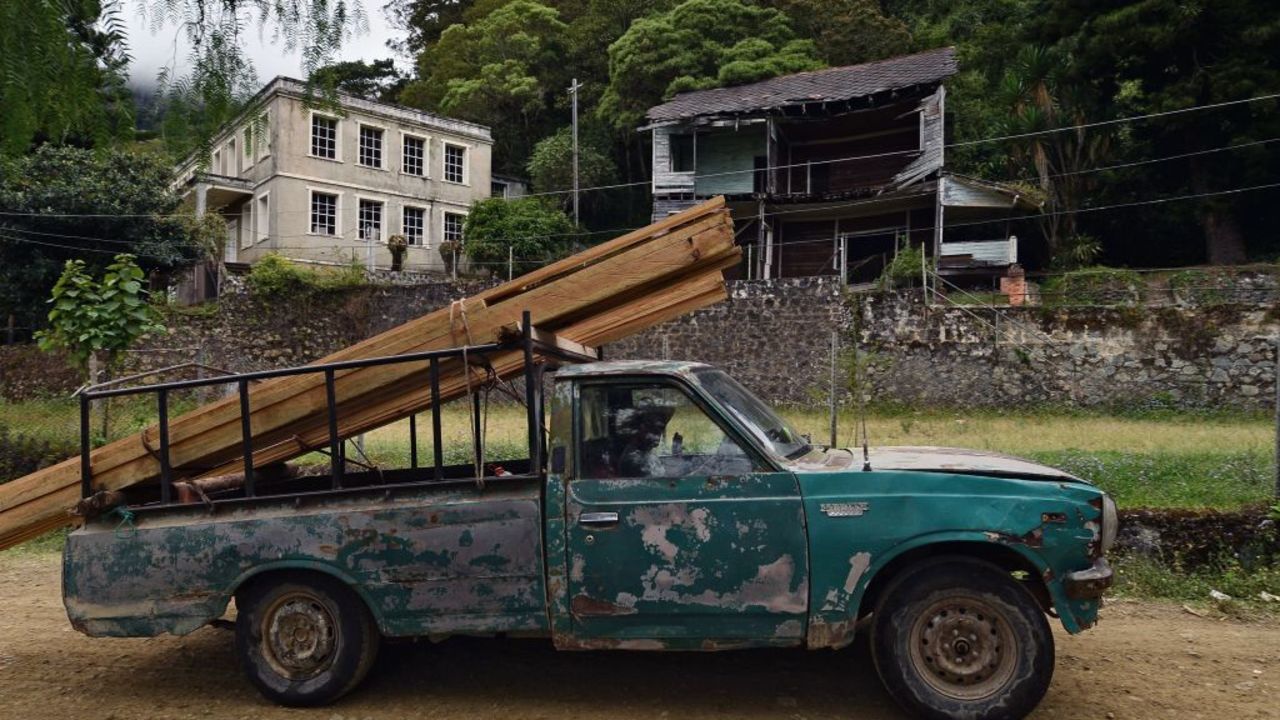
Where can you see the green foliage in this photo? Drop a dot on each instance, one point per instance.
(91, 316)
(500, 69)
(22, 455)
(551, 165)
(698, 44)
(1094, 286)
(905, 269)
(61, 203)
(1076, 251)
(1142, 577)
(535, 232)
(377, 80)
(847, 32)
(1166, 479)
(277, 277)
(62, 73)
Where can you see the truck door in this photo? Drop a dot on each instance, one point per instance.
(677, 530)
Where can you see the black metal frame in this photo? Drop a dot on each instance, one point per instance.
(527, 342)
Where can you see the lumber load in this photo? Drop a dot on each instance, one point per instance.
(600, 295)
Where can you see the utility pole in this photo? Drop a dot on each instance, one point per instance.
(573, 91)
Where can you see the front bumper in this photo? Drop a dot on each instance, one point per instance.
(1091, 583)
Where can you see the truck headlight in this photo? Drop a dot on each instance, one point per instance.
(1110, 524)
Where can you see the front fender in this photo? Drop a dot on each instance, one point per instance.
(838, 606)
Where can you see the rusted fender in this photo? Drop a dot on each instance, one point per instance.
(860, 522)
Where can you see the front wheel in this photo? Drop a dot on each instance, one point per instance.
(958, 638)
(304, 640)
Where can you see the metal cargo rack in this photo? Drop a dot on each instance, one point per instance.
(534, 343)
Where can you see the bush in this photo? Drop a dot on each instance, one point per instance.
(535, 232)
(1095, 286)
(21, 455)
(905, 268)
(276, 276)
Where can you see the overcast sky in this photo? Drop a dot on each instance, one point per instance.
(168, 47)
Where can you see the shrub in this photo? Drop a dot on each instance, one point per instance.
(534, 232)
(1095, 286)
(21, 455)
(276, 276)
(905, 268)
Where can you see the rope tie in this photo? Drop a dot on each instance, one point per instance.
(125, 529)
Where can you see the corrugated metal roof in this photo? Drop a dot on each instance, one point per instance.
(832, 84)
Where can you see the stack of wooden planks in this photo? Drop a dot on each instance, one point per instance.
(598, 296)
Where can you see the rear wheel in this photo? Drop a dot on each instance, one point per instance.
(304, 639)
(960, 638)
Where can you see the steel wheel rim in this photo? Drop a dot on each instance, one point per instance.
(963, 648)
(299, 636)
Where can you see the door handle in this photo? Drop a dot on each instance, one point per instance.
(598, 519)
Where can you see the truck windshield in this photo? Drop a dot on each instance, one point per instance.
(777, 436)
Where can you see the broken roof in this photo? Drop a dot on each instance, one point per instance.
(818, 86)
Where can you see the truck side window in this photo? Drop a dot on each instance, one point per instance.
(652, 430)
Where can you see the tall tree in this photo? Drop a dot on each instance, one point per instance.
(847, 32)
(62, 203)
(503, 69)
(698, 44)
(377, 80)
(62, 73)
(1161, 55)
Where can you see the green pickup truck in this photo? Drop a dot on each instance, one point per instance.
(664, 507)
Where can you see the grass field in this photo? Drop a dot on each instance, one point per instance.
(1166, 460)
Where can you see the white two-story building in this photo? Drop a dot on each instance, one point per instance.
(325, 180)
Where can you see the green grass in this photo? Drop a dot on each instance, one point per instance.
(1139, 577)
(1155, 458)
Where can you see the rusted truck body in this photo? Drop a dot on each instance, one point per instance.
(669, 509)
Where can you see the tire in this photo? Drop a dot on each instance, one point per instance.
(961, 639)
(304, 640)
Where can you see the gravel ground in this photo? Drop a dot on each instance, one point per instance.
(1145, 660)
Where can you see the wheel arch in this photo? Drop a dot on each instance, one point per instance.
(266, 571)
(835, 627)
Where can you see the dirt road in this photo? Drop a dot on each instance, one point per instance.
(1144, 661)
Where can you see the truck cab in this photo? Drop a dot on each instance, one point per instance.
(664, 507)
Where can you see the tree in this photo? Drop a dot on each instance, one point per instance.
(377, 80)
(1044, 105)
(96, 320)
(698, 44)
(551, 165)
(847, 32)
(1158, 55)
(528, 228)
(62, 203)
(62, 73)
(502, 69)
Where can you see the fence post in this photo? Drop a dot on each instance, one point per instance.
(835, 342)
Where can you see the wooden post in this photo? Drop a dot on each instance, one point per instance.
(835, 343)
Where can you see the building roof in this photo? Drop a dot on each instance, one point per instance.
(818, 86)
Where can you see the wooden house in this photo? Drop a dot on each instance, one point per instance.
(834, 171)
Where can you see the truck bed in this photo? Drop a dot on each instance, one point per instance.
(427, 556)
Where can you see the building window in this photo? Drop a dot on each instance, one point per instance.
(415, 153)
(453, 227)
(370, 146)
(324, 213)
(261, 218)
(324, 137)
(497, 189)
(455, 163)
(414, 225)
(369, 218)
(246, 146)
(243, 229)
(682, 153)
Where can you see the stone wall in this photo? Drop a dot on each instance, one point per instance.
(775, 336)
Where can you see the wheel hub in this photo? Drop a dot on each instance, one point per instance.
(963, 648)
(299, 636)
